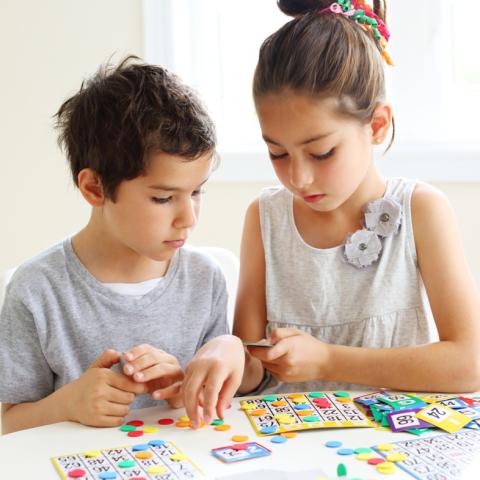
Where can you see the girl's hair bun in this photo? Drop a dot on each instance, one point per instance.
(294, 8)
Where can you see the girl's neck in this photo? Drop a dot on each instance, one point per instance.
(330, 229)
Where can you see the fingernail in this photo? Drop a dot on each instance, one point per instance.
(129, 356)
(138, 376)
(129, 369)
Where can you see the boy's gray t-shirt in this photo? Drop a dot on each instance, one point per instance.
(57, 319)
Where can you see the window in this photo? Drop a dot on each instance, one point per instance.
(434, 87)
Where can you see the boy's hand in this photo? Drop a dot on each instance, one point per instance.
(101, 397)
(295, 357)
(212, 378)
(159, 370)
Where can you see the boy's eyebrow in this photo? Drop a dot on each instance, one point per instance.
(304, 142)
(172, 189)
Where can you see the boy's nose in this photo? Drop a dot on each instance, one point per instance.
(187, 215)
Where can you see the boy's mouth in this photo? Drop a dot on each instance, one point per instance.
(175, 243)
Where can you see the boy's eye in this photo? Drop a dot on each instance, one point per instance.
(324, 156)
(161, 200)
(277, 157)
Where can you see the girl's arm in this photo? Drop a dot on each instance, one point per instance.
(453, 363)
(450, 365)
(250, 309)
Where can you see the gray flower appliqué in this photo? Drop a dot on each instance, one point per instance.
(383, 216)
(363, 248)
(382, 219)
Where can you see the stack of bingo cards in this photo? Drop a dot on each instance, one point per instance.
(272, 414)
(420, 412)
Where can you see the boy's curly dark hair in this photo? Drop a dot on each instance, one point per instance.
(124, 113)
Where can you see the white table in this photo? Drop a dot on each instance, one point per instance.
(26, 454)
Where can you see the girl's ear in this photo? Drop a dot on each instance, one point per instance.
(381, 122)
(90, 185)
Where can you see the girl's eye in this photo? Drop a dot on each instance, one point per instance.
(161, 200)
(324, 156)
(277, 157)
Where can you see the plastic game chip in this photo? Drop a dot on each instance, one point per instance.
(77, 473)
(386, 468)
(396, 457)
(222, 428)
(288, 434)
(135, 423)
(157, 469)
(135, 433)
(156, 443)
(126, 464)
(333, 444)
(140, 447)
(93, 453)
(178, 457)
(364, 456)
(278, 439)
(443, 417)
(166, 421)
(128, 428)
(259, 412)
(107, 475)
(143, 455)
(345, 451)
(150, 429)
(385, 447)
(240, 438)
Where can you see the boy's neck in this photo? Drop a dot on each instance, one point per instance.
(110, 261)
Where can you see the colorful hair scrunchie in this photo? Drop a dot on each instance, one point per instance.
(362, 13)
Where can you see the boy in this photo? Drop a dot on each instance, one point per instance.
(140, 147)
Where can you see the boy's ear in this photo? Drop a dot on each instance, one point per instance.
(90, 185)
(381, 122)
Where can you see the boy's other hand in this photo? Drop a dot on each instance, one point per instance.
(212, 378)
(102, 397)
(295, 356)
(159, 370)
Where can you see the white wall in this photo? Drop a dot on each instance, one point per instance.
(47, 48)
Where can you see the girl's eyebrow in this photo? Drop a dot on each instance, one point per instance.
(168, 188)
(304, 142)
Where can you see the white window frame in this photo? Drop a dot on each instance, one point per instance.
(430, 160)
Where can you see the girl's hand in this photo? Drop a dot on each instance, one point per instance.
(159, 370)
(295, 356)
(212, 378)
(101, 397)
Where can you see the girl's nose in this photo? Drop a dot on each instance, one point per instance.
(301, 175)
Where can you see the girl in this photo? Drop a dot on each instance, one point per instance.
(342, 269)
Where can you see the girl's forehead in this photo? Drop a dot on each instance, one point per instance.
(296, 104)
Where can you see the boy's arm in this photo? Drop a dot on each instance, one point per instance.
(100, 397)
(250, 308)
(20, 416)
